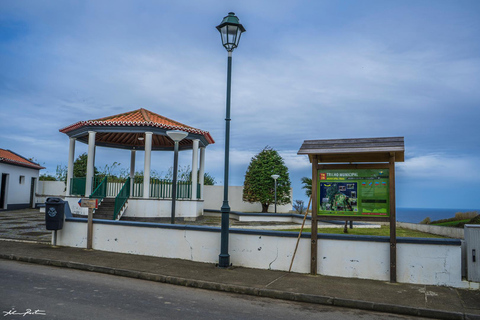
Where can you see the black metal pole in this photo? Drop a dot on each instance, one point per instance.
(224, 257)
(174, 181)
(275, 195)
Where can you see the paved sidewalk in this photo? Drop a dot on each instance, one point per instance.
(418, 300)
(24, 224)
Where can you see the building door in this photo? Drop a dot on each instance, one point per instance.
(33, 188)
(3, 191)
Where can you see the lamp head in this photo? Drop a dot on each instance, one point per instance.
(177, 135)
(230, 29)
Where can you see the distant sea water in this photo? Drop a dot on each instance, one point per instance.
(415, 215)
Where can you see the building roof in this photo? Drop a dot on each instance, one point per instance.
(10, 157)
(355, 150)
(123, 130)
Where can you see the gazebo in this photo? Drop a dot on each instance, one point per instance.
(137, 130)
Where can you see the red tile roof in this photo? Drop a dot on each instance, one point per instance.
(140, 117)
(10, 157)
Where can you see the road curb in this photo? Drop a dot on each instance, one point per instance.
(261, 292)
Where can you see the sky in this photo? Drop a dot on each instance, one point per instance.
(303, 70)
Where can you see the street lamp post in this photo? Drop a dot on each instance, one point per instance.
(176, 136)
(230, 30)
(275, 177)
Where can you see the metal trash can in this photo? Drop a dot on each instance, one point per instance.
(54, 213)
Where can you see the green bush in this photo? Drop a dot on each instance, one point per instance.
(458, 216)
(466, 215)
(425, 221)
(474, 220)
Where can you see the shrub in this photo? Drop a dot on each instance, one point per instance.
(466, 215)
(299, 207)
(425, 221)
(475, 220)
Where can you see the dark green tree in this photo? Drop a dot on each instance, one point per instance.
(259, 185)
(80, 166)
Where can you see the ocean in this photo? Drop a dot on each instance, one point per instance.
(415, 215)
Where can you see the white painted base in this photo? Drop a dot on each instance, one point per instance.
(432, 264)
(149, 208)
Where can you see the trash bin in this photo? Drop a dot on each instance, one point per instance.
(54, 213)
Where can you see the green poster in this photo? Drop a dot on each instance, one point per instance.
(355, 192)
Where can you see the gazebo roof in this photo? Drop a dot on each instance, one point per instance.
(124, 130)
(7, 156)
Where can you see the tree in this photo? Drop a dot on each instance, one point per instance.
(307, 185)
(80, 166)
(259, 186)
(46, 177)
(185, 174)
(299, 206)
(61, 173)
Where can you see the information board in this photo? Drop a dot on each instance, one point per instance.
(354, 192)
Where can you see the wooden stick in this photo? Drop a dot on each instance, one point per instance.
(90, 229)
(300, 234)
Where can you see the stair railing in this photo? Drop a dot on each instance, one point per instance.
(121, 198)
(100, 191)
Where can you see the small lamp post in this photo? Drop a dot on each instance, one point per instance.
(176, 136)
(275, 177)
(230, 30)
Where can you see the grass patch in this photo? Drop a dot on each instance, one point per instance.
(382, 231)
(460, 219)
(451, 223)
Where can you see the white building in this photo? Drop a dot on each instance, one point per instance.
(18, 181)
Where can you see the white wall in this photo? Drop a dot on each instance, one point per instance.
(213, 196)
(420, 263)
(18, 193)
(51, 188)
(148, 208)
(143, 208)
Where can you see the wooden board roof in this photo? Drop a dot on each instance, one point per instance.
(354, 150)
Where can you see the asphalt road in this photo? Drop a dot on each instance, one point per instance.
(30, 291)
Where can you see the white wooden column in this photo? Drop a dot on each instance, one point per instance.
(90, 163)
(146, 167)
(194, 169)
(71, 159)
(202, 171)
(132, 171)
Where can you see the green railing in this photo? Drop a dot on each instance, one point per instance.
(77, 185)
(162, 189)
(100, 191)
(121, 198)
(159, 188)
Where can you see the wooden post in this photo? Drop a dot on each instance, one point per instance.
(300, 234)
(314, 233)
(393, 222)
(90, 204)
(90, 228)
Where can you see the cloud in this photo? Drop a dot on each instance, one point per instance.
(441, 168)
(303, 70)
